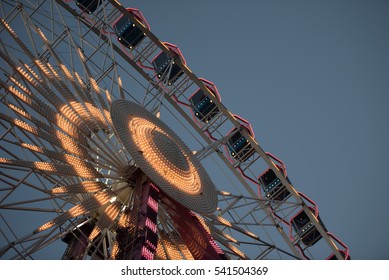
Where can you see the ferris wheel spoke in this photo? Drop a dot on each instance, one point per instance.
(48, 131)
(64, 141)
(8, 199)
(231, 249)
(36, 243)
(16, 205)
(225, 240)
(25, 246)
(50, 73)
(106, 220)
(63, 109)
(80, 169)
(100, 198)
(87, 111)
(253, 219)
(101, 114)
(242, 236)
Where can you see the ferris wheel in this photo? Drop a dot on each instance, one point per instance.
(112, 148)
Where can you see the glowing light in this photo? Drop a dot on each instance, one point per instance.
(115, 250)
(163, 156)
(124, 219)
(173, 166)
(72, 213)
(92, 203)
(171, 251)
(84, 187)
(105, 221)
(150, 224)
(153, 204)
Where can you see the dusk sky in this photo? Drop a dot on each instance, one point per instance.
(312, 77)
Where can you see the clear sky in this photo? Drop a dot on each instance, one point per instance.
(312, 77)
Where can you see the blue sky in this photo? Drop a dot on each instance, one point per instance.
(312, 77)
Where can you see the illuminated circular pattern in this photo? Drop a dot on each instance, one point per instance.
(163, 156)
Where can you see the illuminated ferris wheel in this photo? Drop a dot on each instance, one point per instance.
(112, 148)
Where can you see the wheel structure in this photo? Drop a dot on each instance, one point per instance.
(112, 148)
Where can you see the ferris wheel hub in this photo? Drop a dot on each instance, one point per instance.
(163, 157)
(175, 154)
